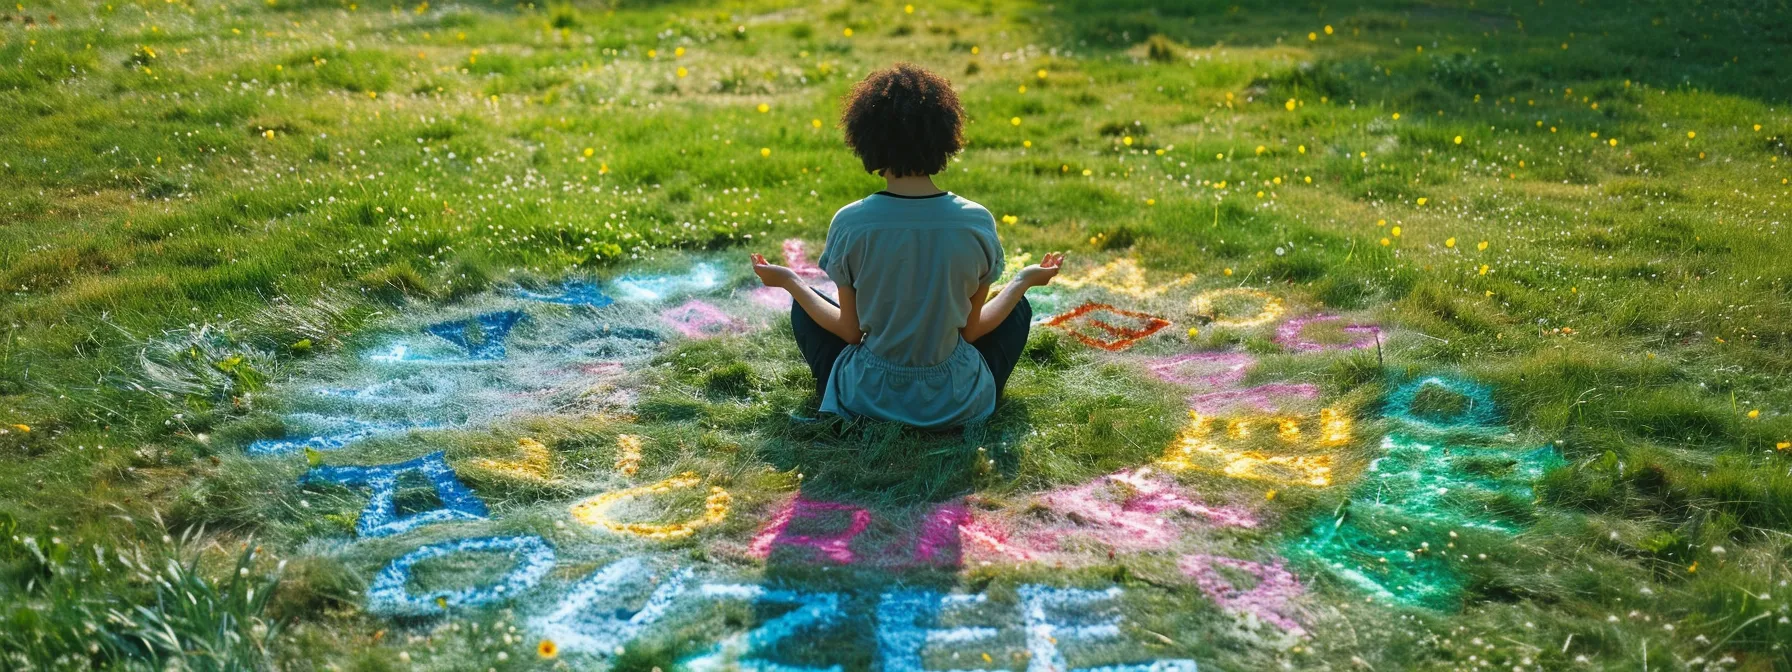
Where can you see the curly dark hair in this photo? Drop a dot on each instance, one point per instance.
(904, 120)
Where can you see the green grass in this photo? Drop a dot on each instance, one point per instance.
(202, 202)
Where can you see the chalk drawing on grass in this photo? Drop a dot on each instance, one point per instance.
(702, 277)
(1122, 276)
(325, 432)
(380, 518)
(833, 545)
(1129, 511)
(535, 464)
(531, 556)
(481, 337)
(1281, 450)
(946, 535)
(594, 618)
(1441, 402)
(1053, 625)
(408, 392)
(1267, 398)
(743, 651)
(699, 319)
(596, 511)
(1238, 307)
(628, 455)
(1271, 600)
(1394, 537)
(1203, 369)
(1293, 334)
(1462, 486)
(1055, 617)
(573, 292)
(1389, 557)
(907, 627)
(1103, 326)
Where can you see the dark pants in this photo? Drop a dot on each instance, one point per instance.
(1000, 347)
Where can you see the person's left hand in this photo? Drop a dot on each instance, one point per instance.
(1041, 274)
(774, 275)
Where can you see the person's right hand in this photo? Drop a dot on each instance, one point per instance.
(1041, 274)
(774, 275)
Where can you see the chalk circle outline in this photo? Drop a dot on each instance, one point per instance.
(594, 512)
(1482, 411)
(388, 594)
(1273, 307)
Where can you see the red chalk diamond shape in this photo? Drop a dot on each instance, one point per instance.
(1106, 327)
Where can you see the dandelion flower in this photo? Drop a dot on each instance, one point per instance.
(269, 134)
(1301, 148)
(1312, 37)
(1026, 143)
(1481, 246)
(1381, 222)
(1009, 219)
(764, 108)
(1450, 242)
(653, 53)
(1483, 269)
(1691, 134)
(908, 9)
(547, 649)
(1193, 332)
(1289, 104)
(1754, 413)
(1613, 142)
(1150, 201)
(1328, 30)
(682, 72)
(1395, 231)
(589, 151)
(847, 32)
(23, 428)
(1783, 445)
(1023, 88)
(1385, 242)
(1015, 121)
(1396, 116)
(1423, 200)
(678, 53)
(1087, 172)
(1458, 139)
(815, 122)
(765, 151)
(1041, 73)
(1126, 141)
(1228, 271)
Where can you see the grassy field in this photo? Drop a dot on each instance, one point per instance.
(1567, 445)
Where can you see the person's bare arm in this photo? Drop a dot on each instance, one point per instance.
(841, 320)
(986, 314)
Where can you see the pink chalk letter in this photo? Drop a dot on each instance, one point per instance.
(1265, 398)
(696, 319)
(1210, 369)
(836, 547)
(1290, 335)
(1268, 600)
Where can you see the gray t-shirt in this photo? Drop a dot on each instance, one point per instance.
(914, 262)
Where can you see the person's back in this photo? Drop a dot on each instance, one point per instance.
(915, 337)
(915, 261)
